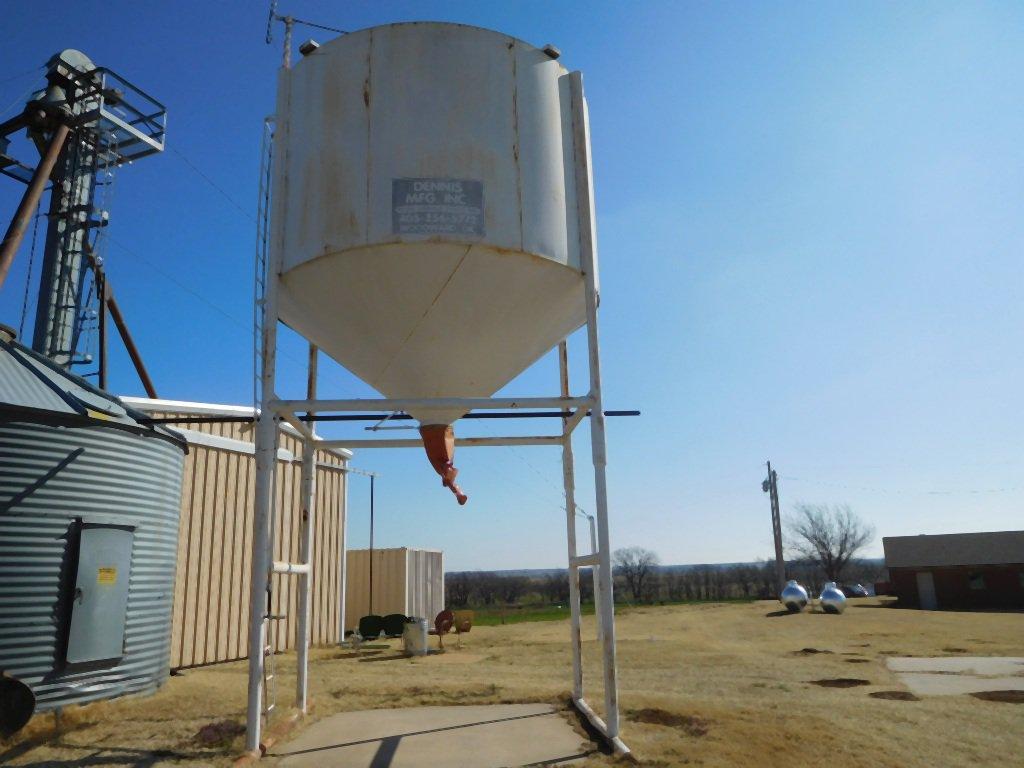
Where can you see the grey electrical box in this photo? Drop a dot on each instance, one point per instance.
(100, 601)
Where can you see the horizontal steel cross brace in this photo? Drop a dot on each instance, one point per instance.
(469, 403)
(464, 442)
(573, 416)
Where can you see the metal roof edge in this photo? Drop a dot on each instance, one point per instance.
(150, 405)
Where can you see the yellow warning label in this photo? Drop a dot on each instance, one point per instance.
(106, 575)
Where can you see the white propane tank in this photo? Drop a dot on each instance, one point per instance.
(425, 224)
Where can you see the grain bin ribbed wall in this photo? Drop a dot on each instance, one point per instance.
(81, 483)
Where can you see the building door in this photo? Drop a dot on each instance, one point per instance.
(100, 605)
(926, 591)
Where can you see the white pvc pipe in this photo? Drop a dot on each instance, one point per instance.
(569, 483)
(588, 262)
(595, 572)
(343, 557)
(469, 403)
(296, 569)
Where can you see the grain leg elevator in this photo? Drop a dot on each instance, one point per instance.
(428, 221)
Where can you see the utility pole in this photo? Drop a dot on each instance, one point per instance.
(771, 486)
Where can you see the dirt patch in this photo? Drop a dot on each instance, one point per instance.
(894, 695)
(856, 661)
(1005, 697)
(809, 651)
(689, 724)
(840, 682)
(952, 649)
(220, 733)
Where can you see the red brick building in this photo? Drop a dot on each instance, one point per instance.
(957, 570)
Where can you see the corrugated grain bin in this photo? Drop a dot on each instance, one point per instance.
(88, 536)
(406, 581)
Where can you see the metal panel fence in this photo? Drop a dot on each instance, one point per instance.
(406, 581)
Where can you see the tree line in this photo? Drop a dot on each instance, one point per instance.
(824, 542)
(752, 581)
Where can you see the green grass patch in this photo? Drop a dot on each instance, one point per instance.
(517, 614)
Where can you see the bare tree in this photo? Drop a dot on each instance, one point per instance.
(637, 567)
(828, 536)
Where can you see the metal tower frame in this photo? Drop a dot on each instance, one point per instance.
(87, 120)
(273, 411)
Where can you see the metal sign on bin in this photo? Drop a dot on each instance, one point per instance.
(437, 207)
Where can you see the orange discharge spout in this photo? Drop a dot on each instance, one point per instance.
(439, 441)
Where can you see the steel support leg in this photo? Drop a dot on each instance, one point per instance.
(266, 447)
(263, 515)
(569, 480)
(588, 264)
(307, 490)
(307, 499)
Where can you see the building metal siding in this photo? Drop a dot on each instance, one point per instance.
(50, 478)
(406, 581)
(211, 601)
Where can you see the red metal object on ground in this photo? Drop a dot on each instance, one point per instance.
(439, 442)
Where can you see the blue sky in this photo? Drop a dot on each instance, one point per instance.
(811, 250)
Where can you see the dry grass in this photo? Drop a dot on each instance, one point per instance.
(710, 685)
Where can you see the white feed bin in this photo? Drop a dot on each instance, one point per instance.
(425, 218)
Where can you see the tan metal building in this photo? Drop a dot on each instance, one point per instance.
(211, 595)
(406, 581)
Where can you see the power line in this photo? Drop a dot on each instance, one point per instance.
(26, 73)
(901, 491)
(199, 172)
(168, 276)
(23, 97)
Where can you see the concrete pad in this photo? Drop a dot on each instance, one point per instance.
(952, 675)
(996, 666)
(490, 736)
(939, 684)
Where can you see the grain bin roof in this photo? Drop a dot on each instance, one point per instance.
(951, 549)
(33, 389)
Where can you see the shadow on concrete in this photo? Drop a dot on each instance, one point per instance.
(389, 744)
